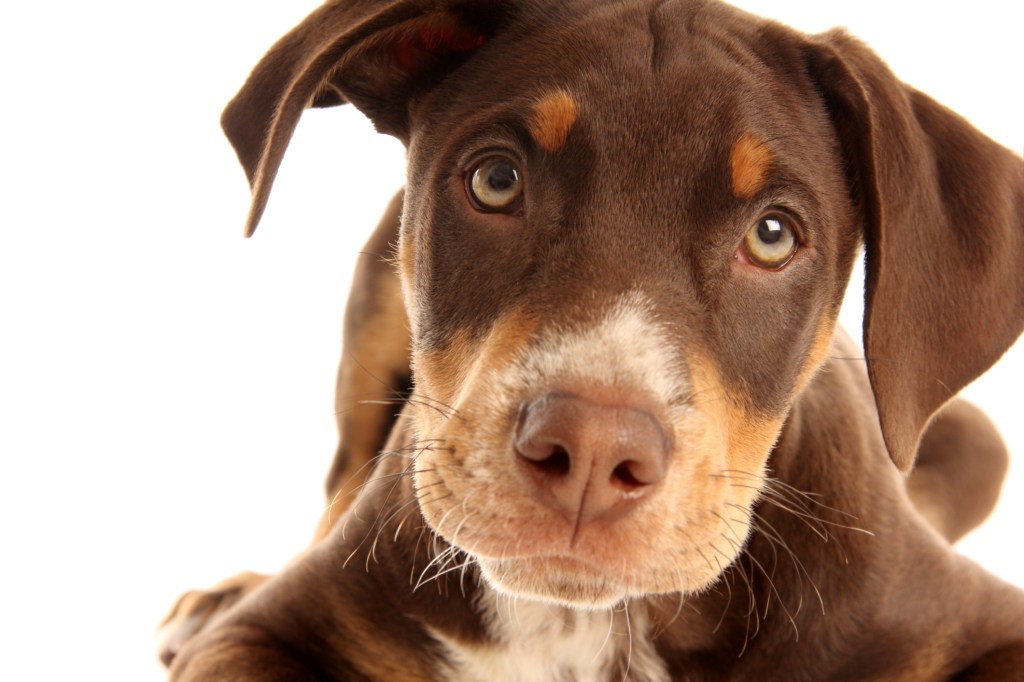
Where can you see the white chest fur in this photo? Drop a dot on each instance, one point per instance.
(537, 642)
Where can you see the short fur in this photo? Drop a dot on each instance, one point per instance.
(627, 449)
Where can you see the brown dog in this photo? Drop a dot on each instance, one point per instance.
(635, 446)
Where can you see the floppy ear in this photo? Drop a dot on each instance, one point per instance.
(943, 211)
(378, 55)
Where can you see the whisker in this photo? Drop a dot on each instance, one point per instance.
(441, 560)
(383, 478)
(752, 610)
(782, 499)
(462, 574)
(629, 636)
(777, 540)
(376, 526)
(450, 566)
(607, 636)
(774, 589)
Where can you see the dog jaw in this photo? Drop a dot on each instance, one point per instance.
(679, 537)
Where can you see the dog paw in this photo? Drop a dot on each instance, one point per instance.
(196, 609)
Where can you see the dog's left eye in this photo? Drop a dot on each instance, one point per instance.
(771, 242)
(495, 185)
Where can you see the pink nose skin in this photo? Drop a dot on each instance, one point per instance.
(590, 460)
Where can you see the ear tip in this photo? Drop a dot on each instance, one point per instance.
(901, 441)
(903, 462)
(253, 220)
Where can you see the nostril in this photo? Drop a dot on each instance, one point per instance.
(623, 477)
(557, 463)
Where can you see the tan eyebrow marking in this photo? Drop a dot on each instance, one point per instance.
(551, 119)
(749, 162)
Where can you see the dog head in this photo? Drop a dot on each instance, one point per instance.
(627, 232)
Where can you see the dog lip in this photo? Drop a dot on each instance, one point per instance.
(594, 544)
(550, 563)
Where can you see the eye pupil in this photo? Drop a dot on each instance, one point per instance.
(770, 231)
(502, 177)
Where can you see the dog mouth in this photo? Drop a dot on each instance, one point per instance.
(539, 555)
(584, 503)
(542, 539)
(585, 467)
(584, 581)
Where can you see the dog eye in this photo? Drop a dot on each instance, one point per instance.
(495, 185)
(771, 242)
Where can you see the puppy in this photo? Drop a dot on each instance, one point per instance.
(635, 445)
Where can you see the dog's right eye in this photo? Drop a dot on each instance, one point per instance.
(770, 243)
(495, 185)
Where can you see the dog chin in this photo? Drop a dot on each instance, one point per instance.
(563, 581)
(572, 583)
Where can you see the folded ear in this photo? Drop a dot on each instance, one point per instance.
(377, 55)
(943, 212)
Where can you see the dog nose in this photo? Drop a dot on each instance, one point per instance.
(588, 459)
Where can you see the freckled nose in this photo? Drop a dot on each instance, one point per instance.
(588, 459)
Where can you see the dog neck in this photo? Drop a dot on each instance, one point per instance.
(530, 640)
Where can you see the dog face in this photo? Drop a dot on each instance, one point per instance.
(642, 308)
(626, 234)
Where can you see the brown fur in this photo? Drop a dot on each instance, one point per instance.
(782, 541)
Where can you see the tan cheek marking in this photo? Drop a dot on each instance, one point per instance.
(440, 373)
(451, 372)
(749, 162)
(747, 436)
(508, 337)
(551, 119)
(751, 439)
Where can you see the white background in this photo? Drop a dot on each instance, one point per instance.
(166, 386)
